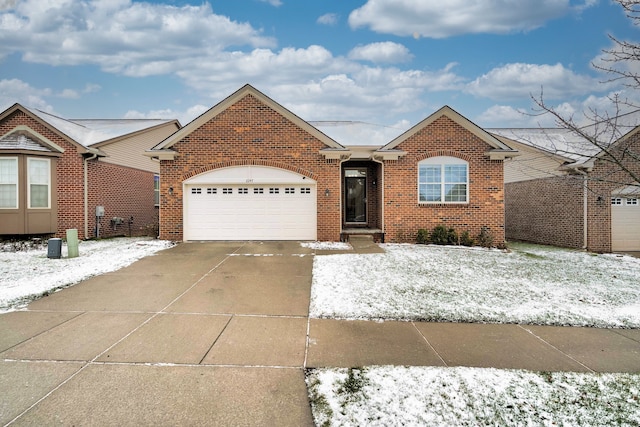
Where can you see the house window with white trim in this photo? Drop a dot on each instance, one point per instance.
(9, 183)
(443, 179)
(631, 201)
(39, 183)
(156, 190)
(616, 200)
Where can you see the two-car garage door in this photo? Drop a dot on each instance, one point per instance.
(250, 203)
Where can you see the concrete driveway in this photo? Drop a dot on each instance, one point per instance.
(200, 334)
(219, 334)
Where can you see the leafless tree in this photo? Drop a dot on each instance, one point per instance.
(605, 133)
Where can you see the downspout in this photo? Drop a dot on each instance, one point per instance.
(585, 207)
(86, 195)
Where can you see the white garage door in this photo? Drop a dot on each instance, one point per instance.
(625, 223)
(250, 203)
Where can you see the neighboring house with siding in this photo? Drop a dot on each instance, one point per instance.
(561, 190)
(249, 169)
(54, 172)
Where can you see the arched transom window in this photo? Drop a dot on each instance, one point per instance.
(443, 179)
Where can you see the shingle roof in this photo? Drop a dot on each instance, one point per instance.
(20, 141)
(558, 141)
(88, 132)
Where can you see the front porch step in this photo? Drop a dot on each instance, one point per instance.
(375, 233)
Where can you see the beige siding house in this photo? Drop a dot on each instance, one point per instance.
(562, 191)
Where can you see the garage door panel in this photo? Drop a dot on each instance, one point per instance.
(625, 224)
(257, 212)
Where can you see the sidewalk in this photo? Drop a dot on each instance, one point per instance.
(219, 334)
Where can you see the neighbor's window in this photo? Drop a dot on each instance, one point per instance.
(443, 180)
(39, 176)
(156, 190)
(8, 183)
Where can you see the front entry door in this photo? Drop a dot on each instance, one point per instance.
(355, 184)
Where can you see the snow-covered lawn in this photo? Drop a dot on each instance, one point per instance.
(27, 274)
(402, 396)
(528, 284)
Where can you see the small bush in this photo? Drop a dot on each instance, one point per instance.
(443, 236)
(485, 238)
(423, 236)
(466, 239)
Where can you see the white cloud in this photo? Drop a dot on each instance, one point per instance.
(507, 116)
(184, 117)
(439, 19)
(518, 80)
(69, 94)
(7, 4)
(120, 36)
(275, 3)
(389, 52)
(91, 88)
(15, 90)
(328, 19)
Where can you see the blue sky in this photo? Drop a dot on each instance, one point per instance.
(387, 62)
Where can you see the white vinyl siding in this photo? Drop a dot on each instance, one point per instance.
(8, 183)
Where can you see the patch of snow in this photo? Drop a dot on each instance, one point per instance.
(329, 246)
(387, 395)
(25, 275)
(530, 284)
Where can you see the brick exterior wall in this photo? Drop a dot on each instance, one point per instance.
(249, 133)
(548, 211)
(127, 192)
(551, 210)
(68, 170)
(603, 179)
(124, 192)
(404, 216)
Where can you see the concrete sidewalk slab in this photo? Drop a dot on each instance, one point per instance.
(81, 338)
(261, 295)
(134, 395)
(494, 346)
(24, 383)
(339, 343)
(260, 341)
(602, 350)
(169, 338)
(632, 334)
(149, 292)
(365, 245)
(19, 326)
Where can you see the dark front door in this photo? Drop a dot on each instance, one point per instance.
(355, 184)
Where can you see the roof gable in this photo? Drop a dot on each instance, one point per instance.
(246, 90)
(23, 138)
(496, 145)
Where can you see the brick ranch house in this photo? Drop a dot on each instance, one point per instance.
(249, 169)
(562, 191)
(55, 172)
